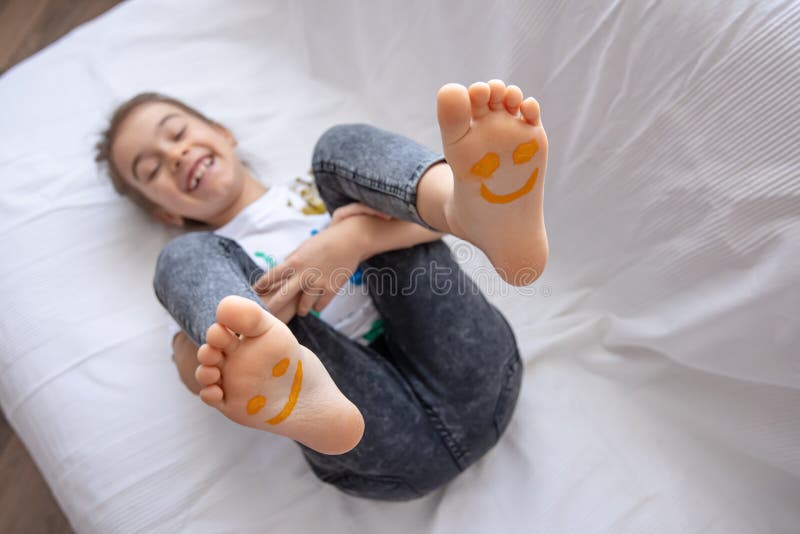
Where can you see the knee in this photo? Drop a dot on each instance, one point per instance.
(338, 138)
(181, 250)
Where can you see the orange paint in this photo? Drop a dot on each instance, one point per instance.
(488, 196)
(293, 394)
(256, 403)
(490, 162)
(280, 367)
(525, 152)
(486, 165)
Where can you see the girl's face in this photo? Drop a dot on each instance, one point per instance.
(186, 166)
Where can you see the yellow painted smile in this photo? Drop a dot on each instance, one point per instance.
(293, 394)
(255, 404)
(490, 162)
(510, 197)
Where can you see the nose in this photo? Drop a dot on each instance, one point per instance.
(177, 155)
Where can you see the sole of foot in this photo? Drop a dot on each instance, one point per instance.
(254, 371)
(495, 144)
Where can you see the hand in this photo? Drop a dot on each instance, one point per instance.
(315, 271)
(285, 313)
(356, 208)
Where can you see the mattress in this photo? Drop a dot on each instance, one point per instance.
(662, 379)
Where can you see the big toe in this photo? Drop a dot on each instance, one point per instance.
(244, 316)
(453, 112)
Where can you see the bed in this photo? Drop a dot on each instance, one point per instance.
(662, 372)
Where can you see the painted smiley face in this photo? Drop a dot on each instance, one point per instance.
(490, 162)
(255, 404)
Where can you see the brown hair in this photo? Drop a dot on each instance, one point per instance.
(107, 137)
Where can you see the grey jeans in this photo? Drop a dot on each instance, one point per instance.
(438, 387)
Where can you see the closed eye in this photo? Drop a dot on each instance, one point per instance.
(153, 174)
(179, 135)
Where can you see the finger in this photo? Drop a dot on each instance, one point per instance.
(324, 300)
(366, 210)
(310, 291)
(356, 208)
(307, 300)
(272, 277)
(286, 313)
(339, 214)
(284, 293)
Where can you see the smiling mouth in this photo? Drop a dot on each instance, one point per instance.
(197, 172)
(293, 394)
(494, 198)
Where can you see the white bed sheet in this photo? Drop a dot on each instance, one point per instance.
(662, 383)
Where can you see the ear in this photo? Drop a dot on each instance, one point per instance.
(165, 217)
(226, 134)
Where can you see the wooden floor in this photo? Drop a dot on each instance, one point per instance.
(26, 504)
(26, 26)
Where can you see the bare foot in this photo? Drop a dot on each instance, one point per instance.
(495, 144)
(265, 379)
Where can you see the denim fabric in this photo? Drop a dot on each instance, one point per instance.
(362, 163)
(438, 388)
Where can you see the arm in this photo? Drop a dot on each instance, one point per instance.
(322, 264)
(375, 235)
(359, 237)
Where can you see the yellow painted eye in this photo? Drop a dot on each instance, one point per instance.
(259, 401)
(525, 152)
(256, 403)
(280, 367)
(486, 165)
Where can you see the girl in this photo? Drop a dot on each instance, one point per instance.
(367, 344)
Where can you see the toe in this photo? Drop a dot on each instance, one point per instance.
(244, 316)
(530, 110)
(220, 338)
(513, 99)
(479, 98)
(453, 112)
(207, 375)
(212, 395)
(208, 355)
(497, 90)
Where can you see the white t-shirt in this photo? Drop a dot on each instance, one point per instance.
(270, 229)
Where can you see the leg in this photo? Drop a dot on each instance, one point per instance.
(400, 456)
(497, 150)
(204, 282)
(468, 390)
(195, 272)
(488, 133)
(454, 348)
(361, 163)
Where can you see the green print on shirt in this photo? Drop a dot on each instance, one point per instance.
(374, 331)
(269, 260)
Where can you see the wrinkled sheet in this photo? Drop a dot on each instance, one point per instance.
(662, 378)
